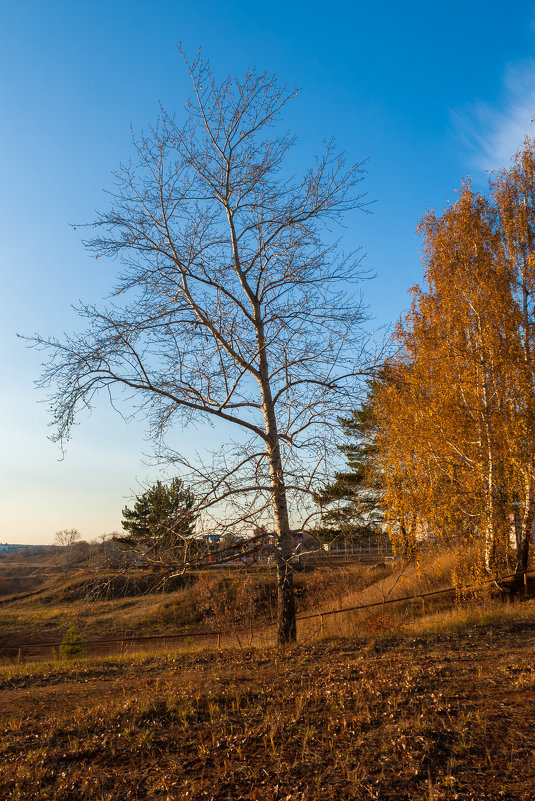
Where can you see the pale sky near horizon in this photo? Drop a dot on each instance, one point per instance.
(428, 93)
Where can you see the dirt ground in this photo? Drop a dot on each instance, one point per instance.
(446, 716)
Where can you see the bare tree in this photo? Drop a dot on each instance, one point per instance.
(243, 310)
(67, 538)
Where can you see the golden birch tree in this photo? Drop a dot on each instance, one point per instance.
(447, 424)
(514, 197)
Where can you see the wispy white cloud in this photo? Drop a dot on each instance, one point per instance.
(492, 134)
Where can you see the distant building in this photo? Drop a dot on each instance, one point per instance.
(7, 548)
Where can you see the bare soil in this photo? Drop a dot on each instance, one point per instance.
(446, 716)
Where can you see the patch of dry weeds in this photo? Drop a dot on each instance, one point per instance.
(442, 716)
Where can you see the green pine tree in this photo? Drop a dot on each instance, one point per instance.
(161, 520)
(352, 504)
(72, 644)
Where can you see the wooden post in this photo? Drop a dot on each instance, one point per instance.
(219, 639)
(525, 584)
(321, 625)
(20, 658)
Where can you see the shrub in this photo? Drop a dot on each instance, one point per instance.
(72, 644)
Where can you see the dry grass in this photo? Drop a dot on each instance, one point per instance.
(235, 600)
(398, 703)
(468, 616)
(383, 586)
(241, 604)
(405, 718)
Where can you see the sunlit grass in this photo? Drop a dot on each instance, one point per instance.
(336, 720)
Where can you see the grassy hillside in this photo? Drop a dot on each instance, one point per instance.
(120, 605)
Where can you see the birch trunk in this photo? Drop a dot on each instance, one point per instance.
(286, 631)
(526, 530)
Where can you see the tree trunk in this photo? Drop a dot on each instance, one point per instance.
(486, 434)
(526, 530)
(285, 583)
(286, 630)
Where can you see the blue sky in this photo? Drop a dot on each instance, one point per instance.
(427, 92)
